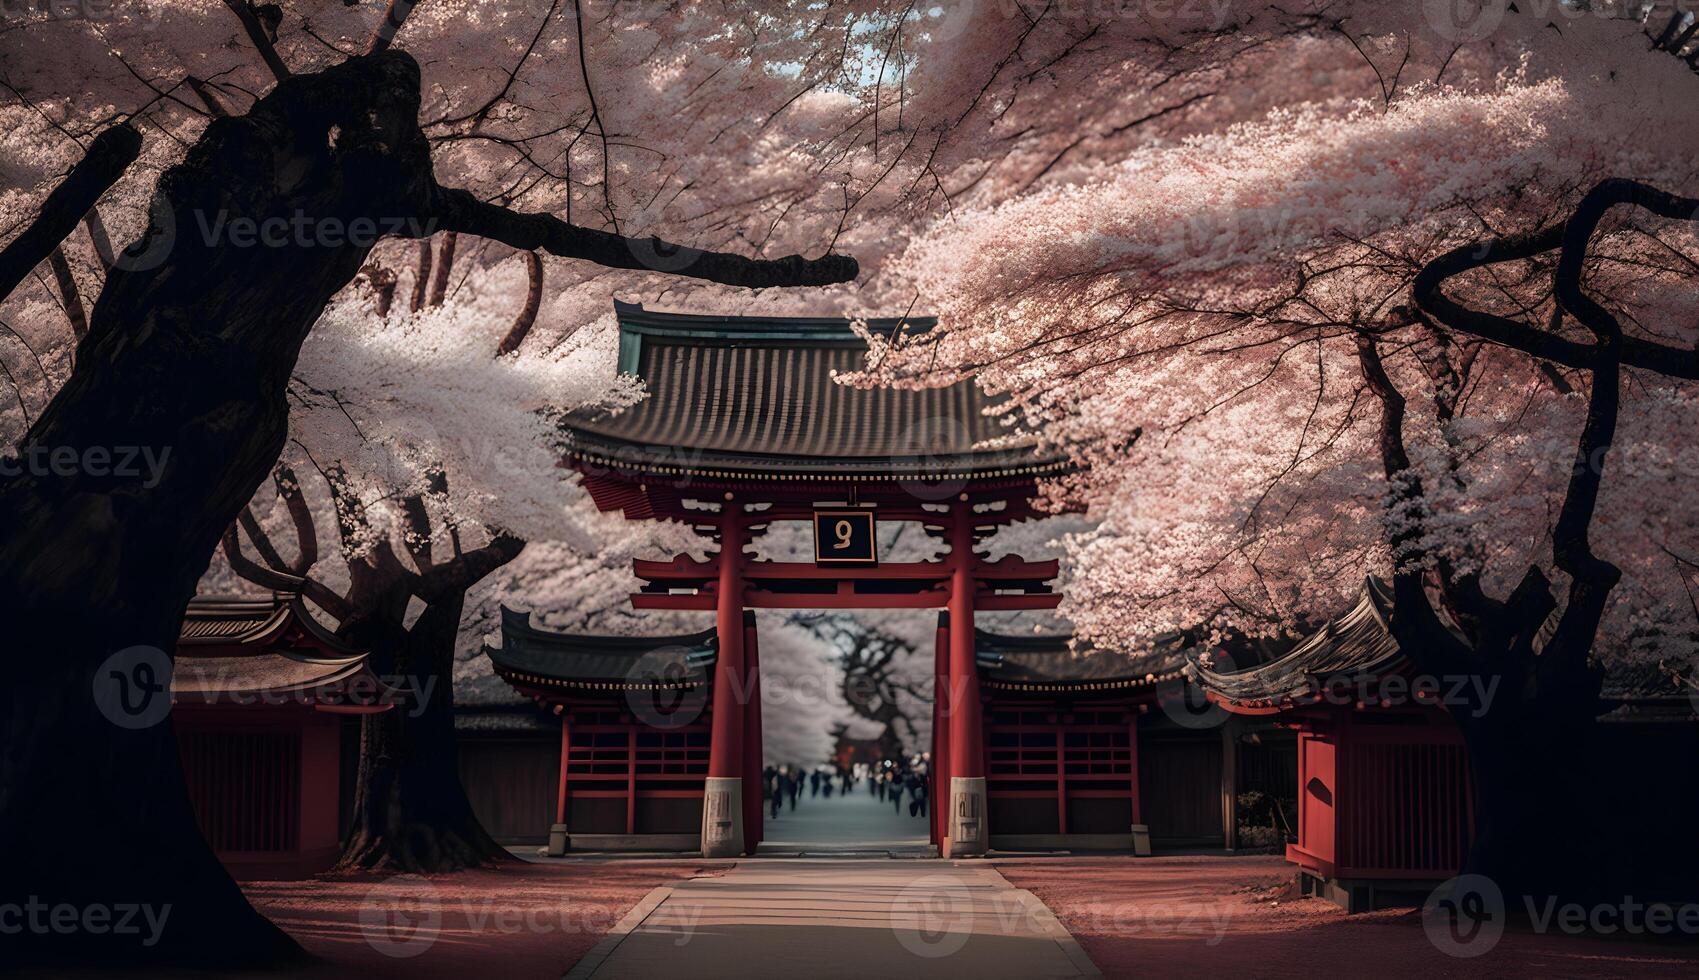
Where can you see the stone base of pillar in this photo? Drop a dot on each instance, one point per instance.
(722, 816)
(1141, 840)
(559, 840)
(968, 836)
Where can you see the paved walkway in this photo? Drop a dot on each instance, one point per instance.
(838, 918)
(857, 822)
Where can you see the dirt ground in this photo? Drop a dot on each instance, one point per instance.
(1236, 917)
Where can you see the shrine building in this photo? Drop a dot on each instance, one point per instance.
(1034, 744)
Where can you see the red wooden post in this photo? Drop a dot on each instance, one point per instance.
(941, 714)
(565, 760)
(1056, 731)
(722, 799)
(1141, 832)
(631, 731)
(559, 839)
(967, 828)
(753, 764)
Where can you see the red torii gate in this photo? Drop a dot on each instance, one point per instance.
(744, 427)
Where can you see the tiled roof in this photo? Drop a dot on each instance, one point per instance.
(534, 657)
(1052, 663)
(757, 395)
(233, 646)
(1359, 644)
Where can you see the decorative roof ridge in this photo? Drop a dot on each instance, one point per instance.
(669, 323)
(272, 619)
(517, 623)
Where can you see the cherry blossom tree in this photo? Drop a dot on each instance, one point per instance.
(258, 218)
(1404, 335)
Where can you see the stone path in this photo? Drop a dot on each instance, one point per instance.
(839, 918)
(859, 822)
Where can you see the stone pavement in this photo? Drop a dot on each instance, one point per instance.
(839, 918)
(857, 822)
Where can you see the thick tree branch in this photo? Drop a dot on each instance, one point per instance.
(108, 156)
(467, 570)
(306, 530)
(444, 265)
(458, 210)
(1665, 359)
(393, 19)
(422, 280)
(1417, 625)
(527, 318)
(68, 292)
(244, 12)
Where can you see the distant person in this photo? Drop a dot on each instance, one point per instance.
(917, 795)
(795, 787)
(814, 783)
(825, 784)
(781, 789)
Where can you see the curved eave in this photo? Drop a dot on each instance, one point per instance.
(193, 683)
(525, 682)
(517, 623)
(633, 318)
(1147, 683)
(634, 461)
(1285, 684)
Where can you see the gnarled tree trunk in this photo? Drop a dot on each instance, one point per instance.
(410, 810)
(188, 354)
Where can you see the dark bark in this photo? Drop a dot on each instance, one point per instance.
(527, 317)
(1536, 760)
(410, 810)
(108, 156)
(68, 292)
(190, 348)
(444, 268)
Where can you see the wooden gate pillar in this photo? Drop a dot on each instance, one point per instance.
(754, 823)
(966, 833)
(559, 839)
(939, 771)
(722, 796)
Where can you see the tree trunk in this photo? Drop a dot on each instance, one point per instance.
(188, 354)
(410, 811)
(1541, 828)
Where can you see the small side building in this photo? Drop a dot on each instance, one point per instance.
(265, 704)
(632, 737)
(1384, 784)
